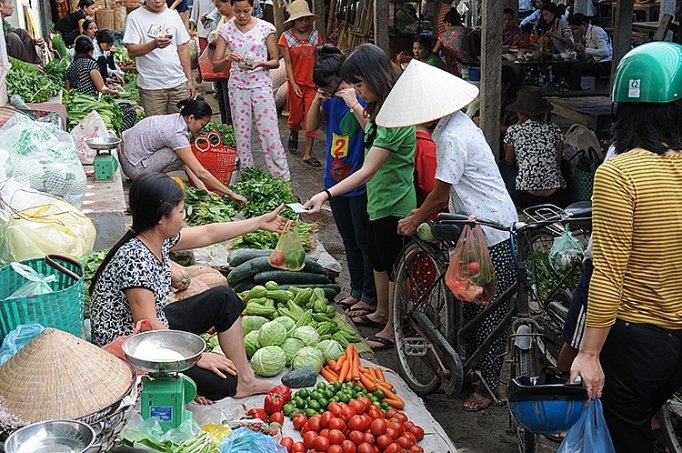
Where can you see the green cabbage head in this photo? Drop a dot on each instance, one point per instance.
(307, 335)
(272, 333)
(287, 322)
(308, 357)
(291, 346)
(251, 343)
(251, 323)
(268, 361)
(331, 349)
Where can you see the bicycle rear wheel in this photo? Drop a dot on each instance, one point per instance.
(414, 284)
(525, 365)
(670, 419)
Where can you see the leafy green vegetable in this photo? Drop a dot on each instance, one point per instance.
(90, 265)
(268, 361)
(251, 323)
(331, 349)
(56, 71)
(264, 192)
(129, 91)
(251, 343)
(272, 333)
(25, 80)
(265, 240)
(307, 335)
(225, 131)
(79, 105)
(60, 46)
(308, 356)
(202, 207)
(291, 346)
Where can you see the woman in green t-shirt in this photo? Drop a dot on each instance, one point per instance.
(388, 172)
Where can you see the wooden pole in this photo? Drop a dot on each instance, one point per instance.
(491, 73)
(622, 32)
(381, 37)
(321, 22)
(278, 14)
(330, 17)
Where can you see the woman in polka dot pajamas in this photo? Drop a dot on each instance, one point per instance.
(248, 41)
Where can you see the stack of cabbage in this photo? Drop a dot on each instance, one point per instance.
(272, 345)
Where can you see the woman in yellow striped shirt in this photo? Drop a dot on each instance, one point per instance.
(631, 353)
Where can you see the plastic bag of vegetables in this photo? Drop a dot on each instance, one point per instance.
(44, 158)
(268, 361)
(289, 253)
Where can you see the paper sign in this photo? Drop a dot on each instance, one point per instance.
(298, 208)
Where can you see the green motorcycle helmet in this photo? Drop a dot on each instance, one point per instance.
(651, 72)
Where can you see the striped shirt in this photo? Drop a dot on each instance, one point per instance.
(637, 217)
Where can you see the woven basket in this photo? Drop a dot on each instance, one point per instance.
(120, 14)
(105, 19)
(220, 160)
(61, 309)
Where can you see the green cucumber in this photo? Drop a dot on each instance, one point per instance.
(240, 256)
(290, 277)
(331, 290)
(247, 270)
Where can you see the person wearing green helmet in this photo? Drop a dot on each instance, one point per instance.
(631, 352)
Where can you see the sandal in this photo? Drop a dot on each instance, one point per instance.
(384, 343)
(313, 162)
(477, 402)
(292, 145)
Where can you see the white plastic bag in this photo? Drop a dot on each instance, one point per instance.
(580, 138)
(36, 283)
(43, 157)
(92, 126)
(35, 224)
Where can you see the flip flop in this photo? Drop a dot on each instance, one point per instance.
(479, 402)
(313, 162)
(364, 320)
(385, 343)
(292, 145)
(360, 311)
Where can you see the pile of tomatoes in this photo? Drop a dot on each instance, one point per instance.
(356, 427)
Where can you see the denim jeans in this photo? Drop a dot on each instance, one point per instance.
(350, 215)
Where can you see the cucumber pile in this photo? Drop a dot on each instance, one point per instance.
(250, 267)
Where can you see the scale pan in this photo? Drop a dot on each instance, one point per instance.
(164, 350)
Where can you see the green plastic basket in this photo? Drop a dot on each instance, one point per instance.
(61, 309)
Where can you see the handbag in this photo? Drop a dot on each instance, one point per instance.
(581, 182)
(206, 67)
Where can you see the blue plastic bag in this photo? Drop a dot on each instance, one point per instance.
(590, 433)
(244, 440)
(17, 339)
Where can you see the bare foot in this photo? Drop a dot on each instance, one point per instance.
(252, 387)
(203, 401)
(360, 308)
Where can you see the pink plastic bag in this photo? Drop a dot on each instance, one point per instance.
(470, 275)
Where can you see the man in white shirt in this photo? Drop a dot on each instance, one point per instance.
(595, 45)
(156, 37)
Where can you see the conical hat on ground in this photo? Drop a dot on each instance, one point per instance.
(60, 376)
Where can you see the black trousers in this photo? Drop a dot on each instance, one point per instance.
(217, 307)
(385, 244)
(643, 368)
(587, 68)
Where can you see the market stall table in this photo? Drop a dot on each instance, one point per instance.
(436, 439)
(591, 111)
(537, 72)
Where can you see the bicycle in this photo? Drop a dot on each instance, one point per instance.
(429, 325)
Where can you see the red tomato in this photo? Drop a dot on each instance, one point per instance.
(410, 436)
(401, 416)
(288, 443)
(391, 412)
(324, 419)
(397, 427)
(473, 268)
(365, 401)
(299, 421)
(378, 426)
(375, 412)
(314, 423)
(321, 443)
(384, 441)
(393, 433)
(324, 432)
(366, 420)
(357, 423)
(347, 413)
(369, 438)
(404, 442)
(366, 448)
(335, 449)
(305, 428)
(335, 436)
(407, 425)
(308, 439)
(418, 432)
(334, 408)
(356, 437)
(299, 447)
(277, 417)
(276, 258)
(393, 448)
(357, 405)
(416, 449)
(337, 423)
(348, 446)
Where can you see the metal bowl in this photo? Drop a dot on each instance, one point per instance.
(103, 143)
(51, 436)
(164, 350)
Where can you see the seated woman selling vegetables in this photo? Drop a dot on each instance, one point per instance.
(83, 73)
(160, 143)
(133, 283)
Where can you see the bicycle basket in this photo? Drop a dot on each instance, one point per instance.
(219, 159)
(546, 404)
(61, 309)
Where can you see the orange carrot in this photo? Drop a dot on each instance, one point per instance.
(388, 392)
(380, 374)
(355, 370)
(328, 374)
(345, 369)
(373, 373)
(363, 369)
(339, 363)
(396, 403)
(331, 364)
(367, 381)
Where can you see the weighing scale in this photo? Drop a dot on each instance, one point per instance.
(164, 354)
(105, 163)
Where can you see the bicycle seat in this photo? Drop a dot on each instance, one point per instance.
(579, 215)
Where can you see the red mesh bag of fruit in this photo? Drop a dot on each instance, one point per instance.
(289, 253)
(470, 275)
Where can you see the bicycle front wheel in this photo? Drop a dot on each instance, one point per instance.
(419, 286)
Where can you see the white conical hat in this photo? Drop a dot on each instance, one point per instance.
(422, 94)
